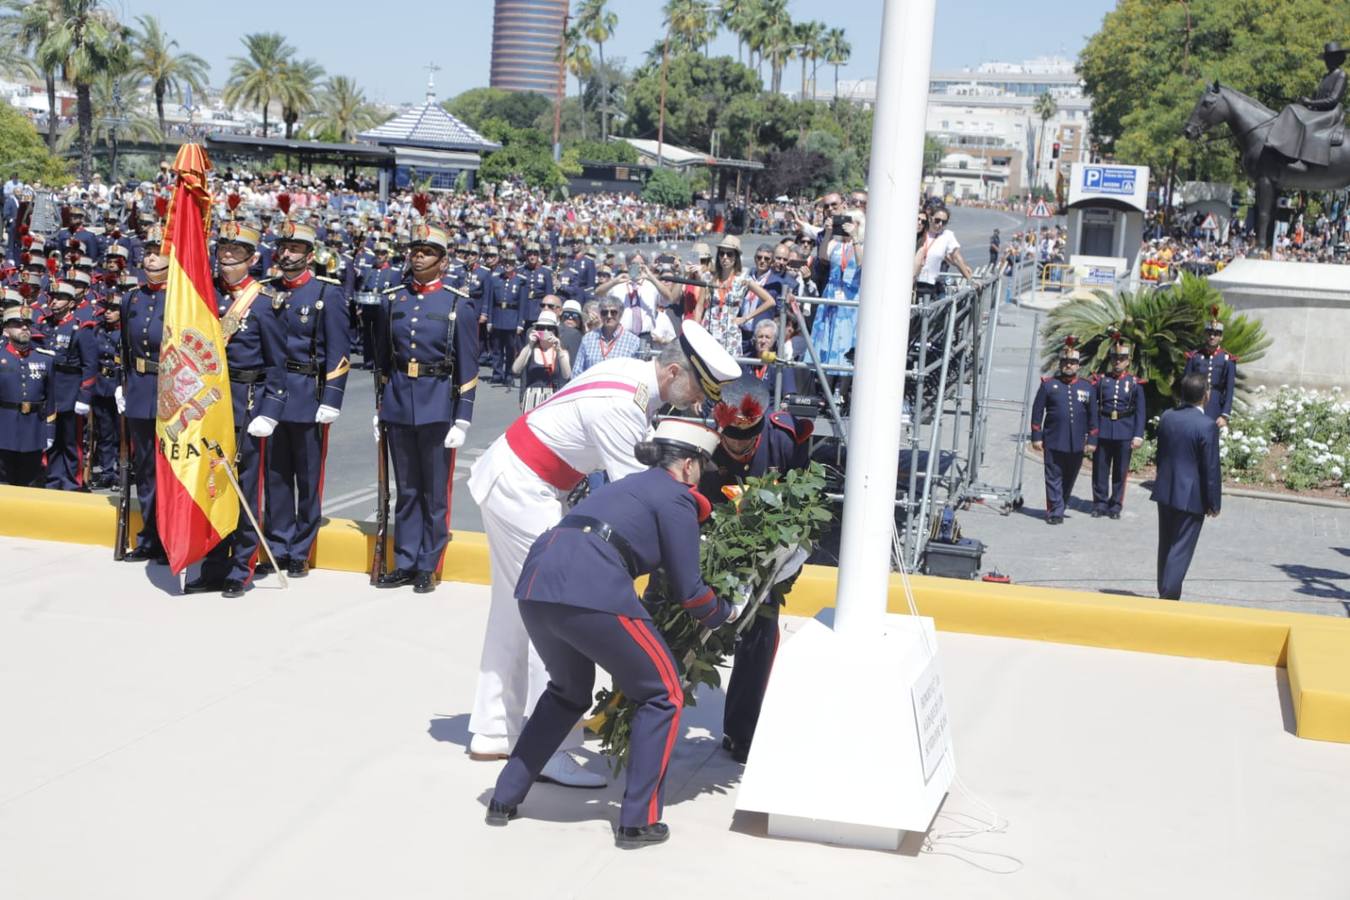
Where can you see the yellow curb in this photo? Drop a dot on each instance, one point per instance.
(1314, 649)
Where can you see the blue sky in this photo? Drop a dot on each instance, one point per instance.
(384, 44)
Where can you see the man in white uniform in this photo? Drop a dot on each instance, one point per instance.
(519, 485)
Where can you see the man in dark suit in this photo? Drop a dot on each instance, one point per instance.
(1189, 485)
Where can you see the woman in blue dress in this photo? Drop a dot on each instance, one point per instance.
(835, 329)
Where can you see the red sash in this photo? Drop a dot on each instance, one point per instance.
(537, 456)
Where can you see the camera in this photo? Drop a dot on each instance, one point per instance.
(837, 224)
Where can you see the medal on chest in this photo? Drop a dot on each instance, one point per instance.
(304, 315)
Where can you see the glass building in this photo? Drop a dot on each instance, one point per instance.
(526, 35)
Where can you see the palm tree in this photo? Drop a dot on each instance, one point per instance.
(776, 35)
(256, 79)
(578, 60)
(342, 111)
(1045, 108)
(155, 61)
(91, 44)
(38, 20)
(113, 120)
(810, 38)
(299, 84)
(736, 16)
(13, 53)
(837, 52)
(688, 22)
(597, 23)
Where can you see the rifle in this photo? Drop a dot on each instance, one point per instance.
(124, 486)
(379, 565)
(87, 470)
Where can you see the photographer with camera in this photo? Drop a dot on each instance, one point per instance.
(835, 327)
(543, 362)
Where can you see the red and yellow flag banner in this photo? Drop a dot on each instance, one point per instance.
(195, 504)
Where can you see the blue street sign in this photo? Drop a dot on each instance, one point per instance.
(1108, 180)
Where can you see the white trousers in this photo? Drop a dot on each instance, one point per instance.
(511, 676)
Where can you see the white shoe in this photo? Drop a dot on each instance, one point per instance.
(486, 747)
(562, 769)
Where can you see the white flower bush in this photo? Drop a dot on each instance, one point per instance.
(1310, 428)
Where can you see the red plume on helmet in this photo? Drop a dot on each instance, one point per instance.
(1115, 335)
(420, 201)
(748, 410)
(161, 206)
(52, 266)
(232, 202)
(284, 203)
(1070, 342)
(1214, 310)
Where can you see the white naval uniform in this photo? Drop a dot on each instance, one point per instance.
(593, 423)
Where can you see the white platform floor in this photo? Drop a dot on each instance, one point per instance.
(310, 744)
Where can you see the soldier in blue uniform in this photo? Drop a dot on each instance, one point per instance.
(108, 347)
(426, 353)
(751, 444)
(90, 245)
(137, 398)
(1219, 366)
(478, 281)
(27, 398)
(581, 272)
(576, 597)
(1064, 425)
(256, 362)
(1121, 413)
(540, 284)
(504, 318)
(376, 278)
(316, 339)
(75, 367)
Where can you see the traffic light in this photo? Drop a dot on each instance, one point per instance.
(1054, 150)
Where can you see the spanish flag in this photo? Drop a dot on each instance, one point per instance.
(195, 503)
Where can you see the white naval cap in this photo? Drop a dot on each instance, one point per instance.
(711, 361)
(688, 434)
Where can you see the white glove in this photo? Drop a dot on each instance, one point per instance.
(81, 409)
(262, 426)
(120, 400)
(792, 565)
(50, 441)
(740, 599)
(455, 437)
(375, 426)
(327, 415)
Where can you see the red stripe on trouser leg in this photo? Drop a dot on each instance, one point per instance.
(262, 488)
(674, 692)
(323, 467)
(677, 696)
(79, 452)
(449, 504)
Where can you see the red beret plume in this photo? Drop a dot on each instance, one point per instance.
(1214, 310)
(1115, 334)
(420, 202)
(23, 230)
(725, 414)
(232, 202)
(52, 265)
(25, 258)
(284, 203)
(1070, 341)
(161, 206)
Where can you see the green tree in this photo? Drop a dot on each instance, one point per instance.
(1147, 66)
(24, 152)
(258, 77)
(698, 92)
(738, 16)
(776, 36)
(525, 155)
(597, 23)
(810, 43)
(1045, 109)
(90, 44)
(299, 86)
(37, 21)
(577, 54)
(342, 111)
(668, 188)
(933, 151)
(156, 61)
(690, 24)
(603, 151)
(837, 51)
(14, 59)
(518, 109)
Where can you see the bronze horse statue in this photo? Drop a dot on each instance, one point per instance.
(1250, 122)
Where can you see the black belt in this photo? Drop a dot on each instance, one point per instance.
(302, 368)
(1118, 414)
(66, 368)
(146, 366)
(505, 306)
(108, 371)
(247, 376)
(414, 369)
(604, 532)
(25, 408)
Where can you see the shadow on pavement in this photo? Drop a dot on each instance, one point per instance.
(163, 579)
(1316, 582)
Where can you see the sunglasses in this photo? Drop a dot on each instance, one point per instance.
(763, 258)
(550, 306)
(727, 253)
(940, 221)
(1070, 362)
(609, 314)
